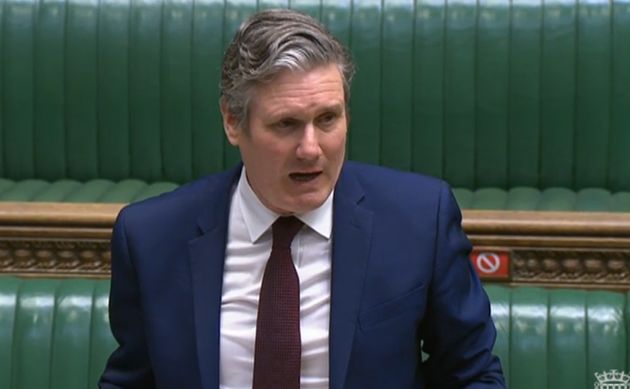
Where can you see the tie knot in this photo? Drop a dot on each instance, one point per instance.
(284, 230)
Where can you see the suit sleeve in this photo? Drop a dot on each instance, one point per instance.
(129, 365)
(458, 332)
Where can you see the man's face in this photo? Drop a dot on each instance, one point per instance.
(294, 145)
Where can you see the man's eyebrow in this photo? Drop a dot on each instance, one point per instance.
(336, 107)
(284, 112)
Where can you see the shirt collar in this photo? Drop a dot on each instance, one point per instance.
(259, 218)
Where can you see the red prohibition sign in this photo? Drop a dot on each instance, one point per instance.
(488, 263)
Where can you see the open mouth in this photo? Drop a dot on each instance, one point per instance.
(304, 177)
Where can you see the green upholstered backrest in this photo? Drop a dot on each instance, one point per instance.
(54, 334)
(97, 190)
(556, 339)
(482, 93)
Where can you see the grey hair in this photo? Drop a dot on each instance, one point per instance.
(270, 42)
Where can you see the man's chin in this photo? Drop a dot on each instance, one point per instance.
(306, 203)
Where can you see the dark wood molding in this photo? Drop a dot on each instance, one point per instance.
(549, 224)
(605, 267)
(542, 248)
(577, 249)
(69, 215)
(56, 239)
(55, 257)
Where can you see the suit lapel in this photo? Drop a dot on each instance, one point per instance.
(207, 256)
(352, 228)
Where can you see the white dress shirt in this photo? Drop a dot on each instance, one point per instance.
(248, 249)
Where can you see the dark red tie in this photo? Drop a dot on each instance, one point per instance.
(278, 343)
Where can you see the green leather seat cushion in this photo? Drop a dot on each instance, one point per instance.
(550, 199)
(97, 190)
(130, 190)
(53, 333)
(550, 339)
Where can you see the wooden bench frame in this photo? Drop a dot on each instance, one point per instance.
(577, 249)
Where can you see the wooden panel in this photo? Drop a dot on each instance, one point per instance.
(576, 249)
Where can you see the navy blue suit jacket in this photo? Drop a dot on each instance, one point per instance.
(401, 278)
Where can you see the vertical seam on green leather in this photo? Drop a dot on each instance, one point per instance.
(51, 338)
(350, 26)
(349, 133)
(2, 56)
(33, 84)
(321, 10)
(91, 367)
(366, 49)
(587, 338)
(610, 57)
(191, 92)
(475, 96)
(444, 100)
(160, 57)
(397, 76)
(460, 106)
(541, 60)
(446, 95)
(576, 92)
(19, 106)
(428, 88)
(230, 153)
(98, 92)
(491, 94)
(412, 112)
(175, 91)
(620, 177)
(13, 333)
(611, 96)
(128, 79)
(49, 140)
(592, 101)
(130, 120)
(81, 57)
(33, 91)
(548, 333)
(380, 100)
(225, 145)
(146, 160)
(113, 96)
(64, 87)
(508, 115)
(191, 88)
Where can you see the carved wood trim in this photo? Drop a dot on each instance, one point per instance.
(572, 266)
(39, 257)
(544, 248)
(56, 239)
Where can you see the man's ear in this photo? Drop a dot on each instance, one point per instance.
(230, 125)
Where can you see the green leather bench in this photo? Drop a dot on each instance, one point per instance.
(519, 105)
(55, 334)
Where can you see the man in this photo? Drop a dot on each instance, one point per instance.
(296, 269)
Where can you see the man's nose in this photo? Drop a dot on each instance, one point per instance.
(308, 148)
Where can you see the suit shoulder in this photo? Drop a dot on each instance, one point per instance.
(394, 182)
(182, 202)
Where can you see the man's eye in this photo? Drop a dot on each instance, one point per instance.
(328, 118)
(285, 124)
